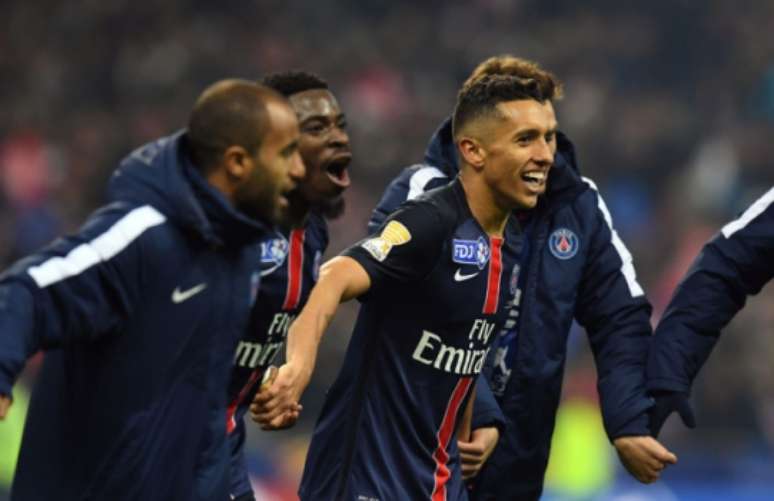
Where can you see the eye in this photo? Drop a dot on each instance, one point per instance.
(314, 128)
(550, 137)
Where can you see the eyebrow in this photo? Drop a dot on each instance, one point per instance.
(292, 146)
(533, 131)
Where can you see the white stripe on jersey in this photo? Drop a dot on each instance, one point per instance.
(114, 240)
(627, 266)
(751, 213)
(420, 178)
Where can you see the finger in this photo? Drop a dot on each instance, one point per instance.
(471, 458)
(5, 404)
(469, 471)
(471, 448)
(659, 452)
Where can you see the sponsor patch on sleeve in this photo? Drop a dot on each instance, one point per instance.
(393, 234)
(470, 252)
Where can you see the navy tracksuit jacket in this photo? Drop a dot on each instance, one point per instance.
(736, 263)
(140, 312)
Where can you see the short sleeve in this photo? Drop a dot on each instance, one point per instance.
(405, 248)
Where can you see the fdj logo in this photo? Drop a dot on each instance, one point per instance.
(470, 252)
(274, 251)
(563, 243)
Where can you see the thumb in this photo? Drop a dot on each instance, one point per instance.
(662, 453)
(5, 404)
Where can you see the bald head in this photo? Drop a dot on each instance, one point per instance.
(228, 113)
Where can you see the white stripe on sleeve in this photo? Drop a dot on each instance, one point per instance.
(627, 266)
(108, 244)
(751, 213)
(420, 178)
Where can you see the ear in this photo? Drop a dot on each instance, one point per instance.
(472, 152)
(238, 163)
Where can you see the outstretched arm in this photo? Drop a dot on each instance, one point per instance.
(341, 279)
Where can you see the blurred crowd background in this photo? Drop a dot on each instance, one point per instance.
(670, 104)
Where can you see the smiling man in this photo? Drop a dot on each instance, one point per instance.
(290, 258)
(436, 283)
(573, 266)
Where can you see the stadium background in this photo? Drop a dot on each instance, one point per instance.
(670, 105)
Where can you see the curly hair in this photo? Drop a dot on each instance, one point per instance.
(288, 83)
(480, 97)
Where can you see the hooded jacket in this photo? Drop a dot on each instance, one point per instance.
(578, 269)
(139, 313)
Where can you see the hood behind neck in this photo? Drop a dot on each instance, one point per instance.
(160, 174)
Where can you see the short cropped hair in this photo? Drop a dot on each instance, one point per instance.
(506, 64)
(481, 97)
(288, 83)
(228, 113)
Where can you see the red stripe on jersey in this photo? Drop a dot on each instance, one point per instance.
(495, 272)
(295, 269)
(445, 433)
(232, 408)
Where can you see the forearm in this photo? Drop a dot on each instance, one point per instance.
(341, 279)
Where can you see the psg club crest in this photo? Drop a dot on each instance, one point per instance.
(563, 244)
(471, 252)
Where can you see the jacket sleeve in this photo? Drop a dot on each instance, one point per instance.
(734, 264)
(612, 307)
(486, 412)
(75, 290)
(410, 183)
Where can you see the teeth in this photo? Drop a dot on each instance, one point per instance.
(537, 177)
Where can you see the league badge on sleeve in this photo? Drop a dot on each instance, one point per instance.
(273, 254)
(470, 252)
(563, 244)
(393, 234)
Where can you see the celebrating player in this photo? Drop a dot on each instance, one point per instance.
(437, 285)
(290, 259)
(147, 303)
(573, 265)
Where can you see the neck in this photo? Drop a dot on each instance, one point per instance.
(483, 204)
(217, 178)
(297, 213)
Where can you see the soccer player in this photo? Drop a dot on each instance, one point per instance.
(736, 263)
(574, 266)
(290, 259)
(436, 284)
(146, 304)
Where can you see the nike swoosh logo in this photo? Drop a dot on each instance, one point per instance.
(179, 296)
(459, 277)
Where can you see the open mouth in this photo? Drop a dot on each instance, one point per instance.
(337, 171)
(535, 180)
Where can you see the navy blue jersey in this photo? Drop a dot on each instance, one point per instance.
(736, 263)
(440, 293)
(576, 267)
(290, 261)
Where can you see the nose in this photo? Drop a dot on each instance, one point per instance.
(296, 170)
(338, 138)
(544, 153)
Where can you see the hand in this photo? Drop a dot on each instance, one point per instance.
(643, 457)
(474, 454)
(667, 402)
(276, 406)
(5, 404)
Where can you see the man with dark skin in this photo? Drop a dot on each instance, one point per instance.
(142, 308)
(290, 259)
